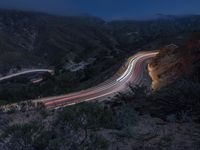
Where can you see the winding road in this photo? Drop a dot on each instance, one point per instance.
(132, 71)
(25, 72)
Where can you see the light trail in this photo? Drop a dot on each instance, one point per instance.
(133, 73)
(25, 72)
(106, 89)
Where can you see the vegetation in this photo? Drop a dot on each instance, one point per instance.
(138, 119)
(73, 127)
(96, 125)
(66, 42)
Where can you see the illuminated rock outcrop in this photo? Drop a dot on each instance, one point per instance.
(173, 62)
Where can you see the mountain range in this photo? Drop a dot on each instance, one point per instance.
(82, 50)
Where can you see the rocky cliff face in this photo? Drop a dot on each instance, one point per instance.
(174, 62)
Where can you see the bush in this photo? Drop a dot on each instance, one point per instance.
(126, 117)
(179, 98)
(26, 136)
(87, 115)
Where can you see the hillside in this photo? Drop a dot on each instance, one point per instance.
(40, 40)
(156, 32)
(85, 51)
(174, 62)
(82, 50)
(30, 39)
(176, 80)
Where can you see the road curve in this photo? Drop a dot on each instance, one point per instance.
(131, 72)
(25, 72)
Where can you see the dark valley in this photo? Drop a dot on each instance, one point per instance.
(83, 83)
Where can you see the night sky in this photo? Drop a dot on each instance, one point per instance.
(108, 9)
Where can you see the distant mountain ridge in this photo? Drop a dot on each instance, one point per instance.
(31, 39)
(82, 50)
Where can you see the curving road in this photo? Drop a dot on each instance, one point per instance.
(133, 71)
(25, 72)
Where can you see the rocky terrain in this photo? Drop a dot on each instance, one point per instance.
(39, 40)
(174, 62)
(109, 125)
(82, 50)
(166, 119)
(30, 39)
